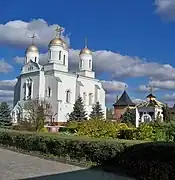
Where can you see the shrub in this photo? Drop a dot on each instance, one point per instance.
(97, 129)
(69, 130)
(43, 130)
(122, 126)
(87, 150)
(130, 133)
(145, 132)
(149, 161)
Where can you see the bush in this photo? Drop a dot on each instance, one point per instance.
(69, 130)
(97, 129)
(43, 130)
(145, 132)
(130, 133)
(149, 161)
(94, 151)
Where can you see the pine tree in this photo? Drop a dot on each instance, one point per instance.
(129, 116)
(78, 112)
(5, 118)
(97, 112)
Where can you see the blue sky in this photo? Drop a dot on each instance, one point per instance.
(135, 40)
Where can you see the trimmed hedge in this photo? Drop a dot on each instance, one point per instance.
(78, 149)
(147, 161)
(144, 160)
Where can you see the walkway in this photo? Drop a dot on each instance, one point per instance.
(16, 166)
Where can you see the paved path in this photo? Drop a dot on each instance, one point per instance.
(16, 166)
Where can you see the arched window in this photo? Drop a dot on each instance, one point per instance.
(90, 63)
(60, 55)
(90, 99)
(35, 59)
(84, 98)
(81, 63)
(68, 96)
(64, 59)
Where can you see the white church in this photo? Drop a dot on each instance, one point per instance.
(54, 83)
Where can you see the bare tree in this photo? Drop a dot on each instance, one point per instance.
(37, 112)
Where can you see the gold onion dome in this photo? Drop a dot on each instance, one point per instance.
(86, 51)
(32, 48)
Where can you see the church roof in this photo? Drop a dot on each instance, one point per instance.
(124, 100)
(151, 103)
(151, 95)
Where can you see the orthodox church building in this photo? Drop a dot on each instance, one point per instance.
(54, 83)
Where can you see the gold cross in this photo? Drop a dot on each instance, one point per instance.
(33, 38)
(58, 31)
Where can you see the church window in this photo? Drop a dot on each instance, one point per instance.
(49, 92)
(68, 96)
(50, 54)
(84, 98)
(89, 63)
(90, 99)
(81, 63)
(60, 55)
(35, 59)
(64, 59)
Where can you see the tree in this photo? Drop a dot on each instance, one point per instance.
(5, 117)
(37, 112)
(109, 114)
(97, 112)
(129, 116)
(78, 112)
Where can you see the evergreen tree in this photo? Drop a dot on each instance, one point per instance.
(5, 118)
(129, 116)
(97, 112)
(78, 112)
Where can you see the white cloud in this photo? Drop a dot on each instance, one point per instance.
(18, 32)
(5, 67)
(113, 86)
(6, 90)
(164, 85)
(145, 88)
(118, 66)
(166, 8)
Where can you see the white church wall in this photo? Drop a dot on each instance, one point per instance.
(52, 83)
(35, 88)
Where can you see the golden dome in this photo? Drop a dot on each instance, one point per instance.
(56, 42)
(86, 51)
(32, 48)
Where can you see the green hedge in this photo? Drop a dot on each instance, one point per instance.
(79, 149)
(145, 160)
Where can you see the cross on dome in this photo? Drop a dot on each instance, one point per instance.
(58, 31)
(33, 38)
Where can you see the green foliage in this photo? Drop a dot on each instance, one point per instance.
(78, 113)
(122, 126)
(97, 112)
(129, 116)
(145, 132)
(97, 129)
(87, 150)
(130, 133)
(149, 161)
(44, 129)
(5, 118)
(145, 161)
